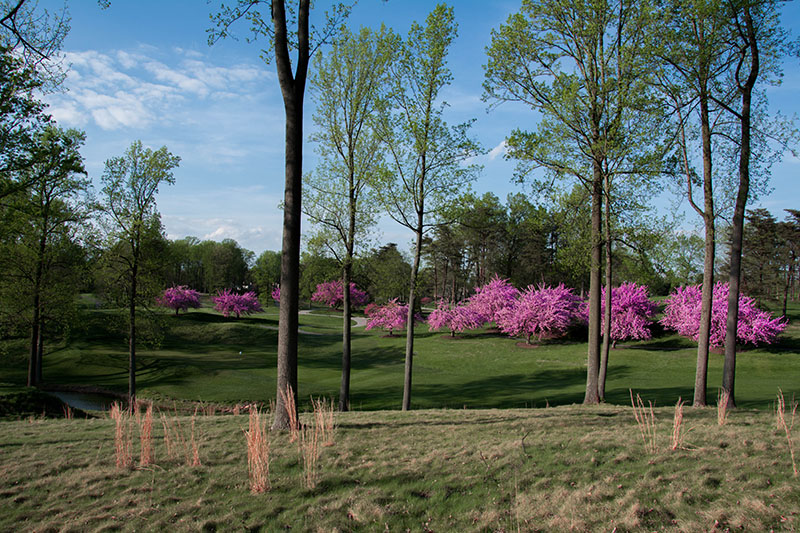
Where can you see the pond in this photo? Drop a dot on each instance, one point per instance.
(86, 401)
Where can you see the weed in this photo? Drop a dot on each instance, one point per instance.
(258, 452)
(677, 426)
(787, 426)
(287, 397)
(146, 437)
(324, 419)
(122, 436)
(310, 452)
(68, 414)
(646, 420)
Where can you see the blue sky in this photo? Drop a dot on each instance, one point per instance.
(143, 70)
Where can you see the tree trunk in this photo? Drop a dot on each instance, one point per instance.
(293, 90)
(706, 299)
(344, 389)
(132, 332)
(601, 379)
(737, 231)
(412, 296)
(33, 370)
(40, 351)
(593, 364)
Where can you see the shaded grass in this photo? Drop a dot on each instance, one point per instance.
(203, 356)
(559, 469)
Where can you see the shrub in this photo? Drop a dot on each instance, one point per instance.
(331, 294)
(755, 326)
(390, 317)
(456, 319)
(539, 311)
(631, 312)
(493, 298)
(179, 298)
(228, 302)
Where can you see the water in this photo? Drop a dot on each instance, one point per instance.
(86, 401)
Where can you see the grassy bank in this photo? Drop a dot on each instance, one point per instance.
(556, 469)
(203, 356)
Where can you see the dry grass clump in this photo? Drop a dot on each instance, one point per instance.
(180, 442)
(310, 452)
(646, 420)
(258, 444)
(722, 406)
(787, 426)
(677, 426)
(145, 422)
(287, 398)
(324, 419)
(122, 436)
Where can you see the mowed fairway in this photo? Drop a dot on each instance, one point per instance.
(205, 357)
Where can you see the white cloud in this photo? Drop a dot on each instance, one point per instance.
(499, 150)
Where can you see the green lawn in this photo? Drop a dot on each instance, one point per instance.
(203, 356)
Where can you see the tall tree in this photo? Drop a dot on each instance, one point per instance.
(584, 66)
(759, 43)
(349, 84)
(293, 85)
(130, 184)
(426, 157)
(697, 62)
(49, 217)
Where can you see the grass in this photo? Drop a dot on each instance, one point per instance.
(205, 357)
(557, 469)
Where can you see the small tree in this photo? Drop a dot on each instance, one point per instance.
(457, 319)
(631, 312)
(331, 294)
(754, 326)
(391, 316)
(276, 293)
(540, 311)
(491, 299)
(228, 302)
(180, 298)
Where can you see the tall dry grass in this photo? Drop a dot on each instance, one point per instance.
(122, 436)
(146, 456)
(787, 426)
(324, 419)
(677, 426)
(646, 421)
(180, 442)
(258, 444)
(310, 452)
(287, 398)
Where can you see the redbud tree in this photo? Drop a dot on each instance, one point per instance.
(228, 302)
(179, 298)
(493, 298)
(390, 317)
(754, 326)
(331, 294)
(276, 293)
(456, 319)
(631, 312)
(541, 311)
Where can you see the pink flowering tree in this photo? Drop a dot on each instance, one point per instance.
(457, 319)
(493, 298)
(228, 302)
(331, 294)
(390, 317)
(179, 298)
(631, 312)
(541, 311)
(755, 326)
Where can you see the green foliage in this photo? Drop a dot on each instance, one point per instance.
(266, 272)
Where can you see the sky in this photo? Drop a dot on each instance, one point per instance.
(143, 70)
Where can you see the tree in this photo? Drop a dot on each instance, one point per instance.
(180, 298)
(386, 271)
(584, 66)
(266, 271)
(391, 316)
(755, 326)
(48, 218)
(457, 319)
(541, 311)
(331, 294)
(758, 43)
(292, 86)
(426, 157)
(631, 312)
(228, 302)
(130, 184)
(491, 299)
(697, 63)
(349, 83)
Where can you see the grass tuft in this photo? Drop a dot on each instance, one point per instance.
(258, 444)
(122, 436)
(787, 426)
(722, 406)
(146, 456)
(677, 426)
(287, 397)
(646, 421)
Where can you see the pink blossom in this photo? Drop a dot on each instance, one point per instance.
(228, 302)
(493, 298)
(331, 294)
(276, 293)
(539, 311)
(631, 312)
(456, 319)
(179, 298)
(754, 326)
(391, 316)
